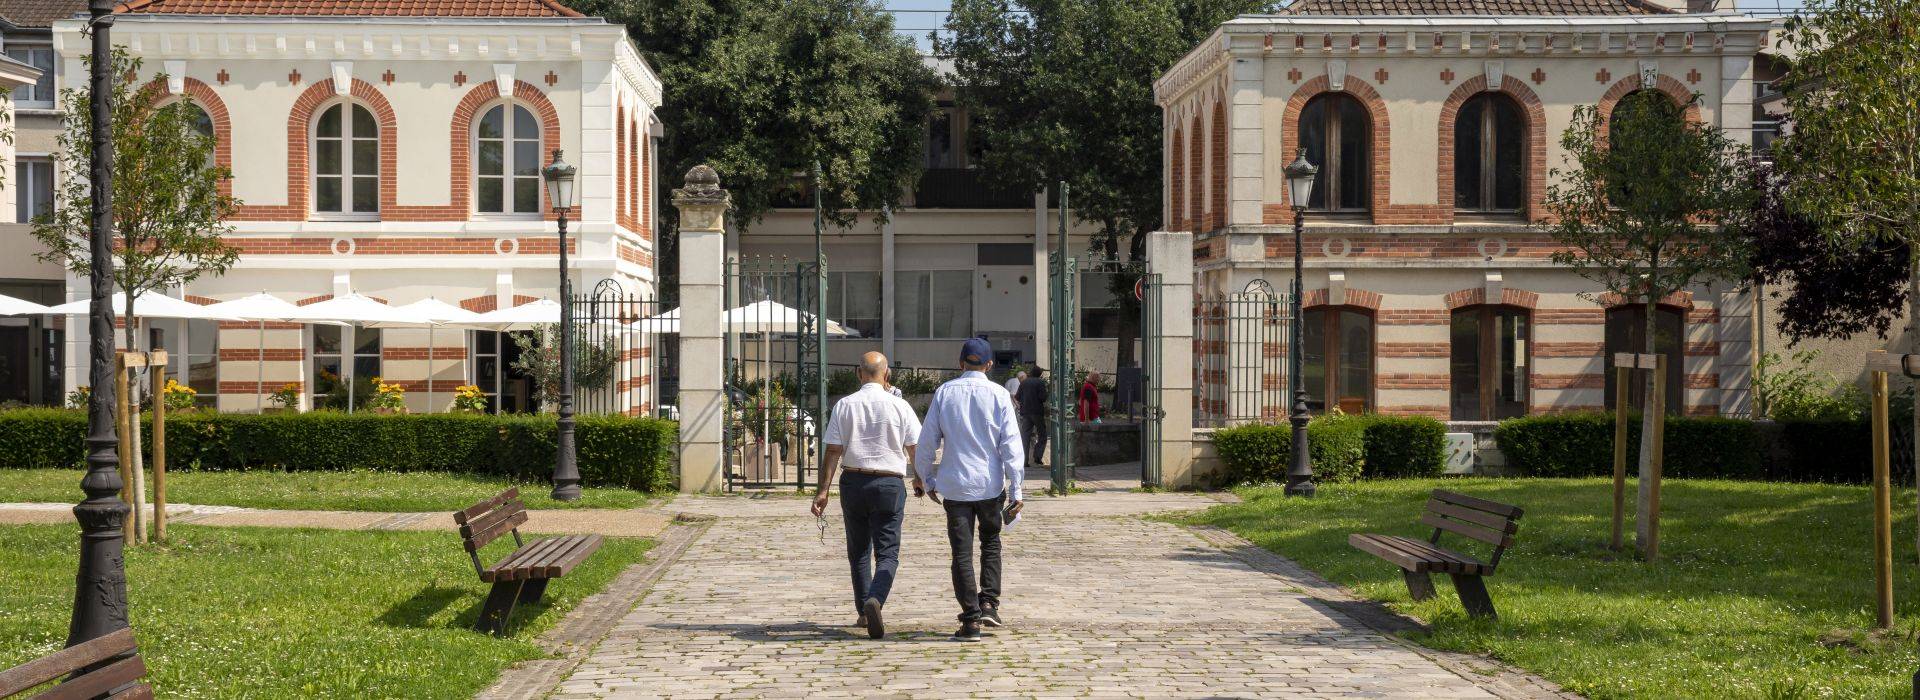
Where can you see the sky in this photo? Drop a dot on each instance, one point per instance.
(916, 18)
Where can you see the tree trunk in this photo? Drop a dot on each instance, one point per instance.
(138, 467)
(1913, 346)
(1643, 501)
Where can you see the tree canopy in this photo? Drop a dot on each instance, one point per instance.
(1063, 90)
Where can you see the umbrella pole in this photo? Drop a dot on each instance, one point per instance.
(260, 372)
(430, 349)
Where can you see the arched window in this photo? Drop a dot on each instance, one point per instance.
(346, 160)
(1627, 332)
(1659, 103)
(202, 124)
(1337, 133)
(1489, 155)
(1345, 334)
(507, 179)
(1489, 362)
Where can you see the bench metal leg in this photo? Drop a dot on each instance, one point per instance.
(1473, 595)
(533, 590)
(499, 607)
(1419, 584)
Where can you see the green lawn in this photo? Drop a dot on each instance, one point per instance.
(357, 490)
(256, 612)
(1763, 591)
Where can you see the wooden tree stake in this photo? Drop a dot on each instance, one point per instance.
(126, 452)
(1623, 375)
(1656, 461)
(1882, 506)
(158, 361)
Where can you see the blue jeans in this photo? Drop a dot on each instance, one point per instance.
(872, 507)
(963, 518)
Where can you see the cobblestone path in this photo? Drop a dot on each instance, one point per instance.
(1099, 602)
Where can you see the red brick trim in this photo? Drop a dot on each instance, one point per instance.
(1704, 349)
(1404, 380)
(202, 95)
(1413, 349)
(1176, 177)
(1534, 152)
(1681, 94)
(1217, 143)
(254, 354)
(398, 245)
(1412, 317)
(1381, 146)
(1359, 298)
(1703, 410)
(1439, 412)
(1592, 316)
(481, 304)
(444, 352)
(460, 143)
(1424, 246)
(1583, 380)
(259, 325)
(1476, 296)
(1703, 380)
(197, 299)
(1568, 349)
(1678, 300)
(313, 300)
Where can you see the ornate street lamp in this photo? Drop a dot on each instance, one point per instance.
(1300, 175)
(566, 470)
(100, 596)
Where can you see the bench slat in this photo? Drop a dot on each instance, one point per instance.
(476, 540)
(1495, 538)
(1478, 517)
(522, 563)
(1416, 555)
(1481, 504)
(474, 511)
(583, 547)
(19, 678)
(141, 691)
(99, 682)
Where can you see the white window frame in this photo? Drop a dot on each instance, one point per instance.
(23, 193)
(40, 101)
(928, 311)
(346, 137)
(507, 140)
(348, 344)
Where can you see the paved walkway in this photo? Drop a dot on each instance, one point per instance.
(1100, 603)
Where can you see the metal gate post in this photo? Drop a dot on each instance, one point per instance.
(1061, 333)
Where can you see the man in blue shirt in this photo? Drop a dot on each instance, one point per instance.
(972, 423)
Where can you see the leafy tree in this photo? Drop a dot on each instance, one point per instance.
(1853, 155)
(1829, 284)
(761, 90)
(169, 215)
(1650, 204)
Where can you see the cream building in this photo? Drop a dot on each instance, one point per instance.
(392, 149)
(31, 347)
(1436, 125)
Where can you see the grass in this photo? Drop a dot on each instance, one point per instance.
(258, 612)
(354, 490)
(1763, 590)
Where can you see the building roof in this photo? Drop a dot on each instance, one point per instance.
(39, 14)
(1354, 8)
(349, 8)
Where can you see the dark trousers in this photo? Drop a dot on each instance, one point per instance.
(962, 519)
(872, 507)
(1033, 434)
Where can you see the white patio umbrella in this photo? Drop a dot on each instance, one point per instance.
(769, 316)
(148, 305)
(517, 318)
(261, 308)
(357, 308)
(437, 313)
(668, 322)
(10, 306)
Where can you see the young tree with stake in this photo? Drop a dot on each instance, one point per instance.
(1649, 203)
(168, 211)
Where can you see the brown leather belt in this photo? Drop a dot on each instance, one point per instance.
(871, 472)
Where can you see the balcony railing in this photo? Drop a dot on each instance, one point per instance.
(963, 188)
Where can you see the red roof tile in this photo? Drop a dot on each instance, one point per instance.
(1473, 7)
(353, 8)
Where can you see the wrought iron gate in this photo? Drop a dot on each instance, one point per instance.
(625, 356)
(776, 407)
(1240, 360)
(1148, 292)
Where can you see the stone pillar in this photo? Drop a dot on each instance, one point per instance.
(703, 207)
(1171, 255)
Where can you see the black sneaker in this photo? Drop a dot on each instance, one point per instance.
(875, 627)
(862, 622)
(969, 632)
(990, 616)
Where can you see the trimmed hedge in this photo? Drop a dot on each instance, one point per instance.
(1581, 444)
(634, 453)
(1341, 447)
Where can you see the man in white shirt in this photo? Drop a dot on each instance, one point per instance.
(1013, 384)
(972, 422)
(871, 438)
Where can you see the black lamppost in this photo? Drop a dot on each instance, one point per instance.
(1300, 175)
(100, 593)
(566, 471)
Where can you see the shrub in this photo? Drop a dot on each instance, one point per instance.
(1581, 444)
(1791, 389)
(842, 382)
(1405, 446)
(1260, 452)
(1567, 444)
(913, 382)
(634, 453)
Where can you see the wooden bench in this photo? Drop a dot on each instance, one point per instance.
(520, 577)
(116, 679)
(1469, 517)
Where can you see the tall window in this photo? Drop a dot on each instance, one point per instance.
(346, 161)
(940, 150)
(1627, 332)
(853, 299)
(933, 304)
(507, 142)
(1345, 334)
(1489, 148)
(39, 95)
(35, 194)
(1099, 306)
(1337, 133)
(1489, 365)
(344, 356)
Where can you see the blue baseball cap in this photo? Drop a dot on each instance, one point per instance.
(976, 352)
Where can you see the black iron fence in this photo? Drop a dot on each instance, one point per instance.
(1240, 358)
(625, 353)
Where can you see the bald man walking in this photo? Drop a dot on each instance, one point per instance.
(870, 438)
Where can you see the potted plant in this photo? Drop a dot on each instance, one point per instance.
(286, 399)
(78, 398)
(387, 398)
(468, 398)
(179, 397)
